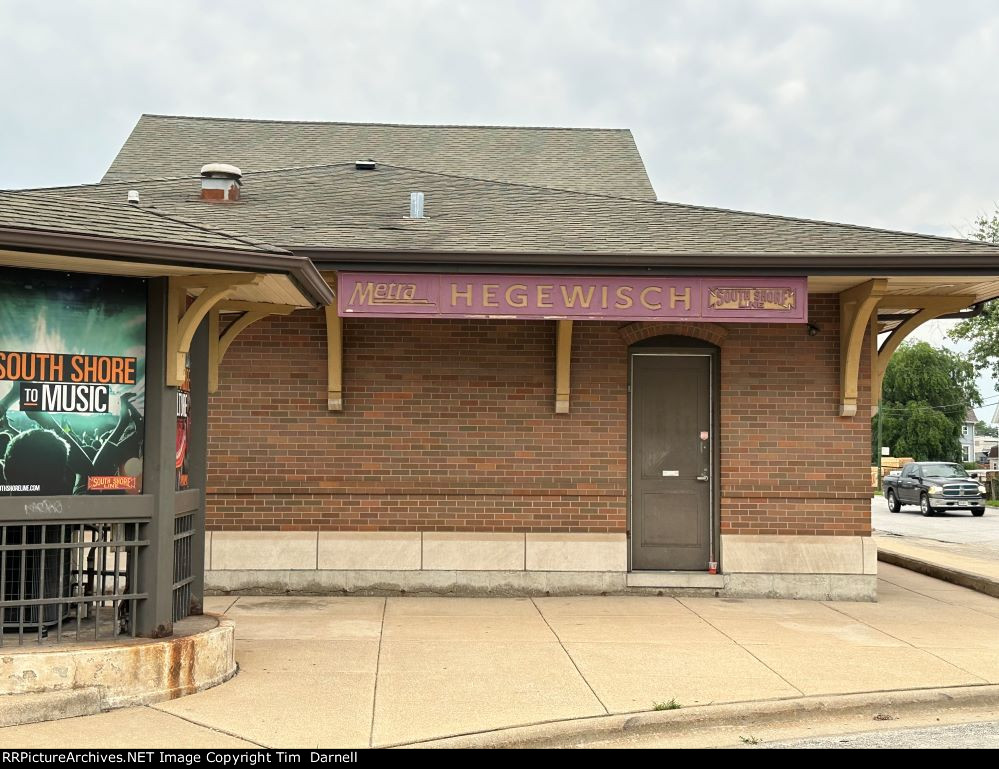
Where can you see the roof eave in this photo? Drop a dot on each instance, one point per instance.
(298, 268)
(875, 264)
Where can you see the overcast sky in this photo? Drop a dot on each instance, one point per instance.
(882, 113)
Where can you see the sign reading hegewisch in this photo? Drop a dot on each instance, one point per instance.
(72, 383)
(761, 300)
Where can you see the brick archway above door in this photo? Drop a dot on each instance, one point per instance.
(707, 332)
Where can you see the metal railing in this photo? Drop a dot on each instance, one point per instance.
(70, 581)
(183, 563)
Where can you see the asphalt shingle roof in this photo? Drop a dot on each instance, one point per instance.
(77, 215)
(339, 207)
(590, 160)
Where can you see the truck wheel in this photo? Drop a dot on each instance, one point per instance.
(893, 504)
(924, 505)
(978, 512)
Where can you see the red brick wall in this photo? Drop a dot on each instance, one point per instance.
(790, 463)
(449, 426)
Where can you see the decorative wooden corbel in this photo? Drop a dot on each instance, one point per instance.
(183, 320)
(218, 344)
(563, 361)
(334, 359)
(856, 305)
(930, 307)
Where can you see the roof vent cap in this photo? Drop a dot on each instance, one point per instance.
(416, 200)
(221, 171)
(365, 165)
(133, 197)
(220, 182)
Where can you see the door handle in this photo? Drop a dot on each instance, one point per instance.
(703, 478)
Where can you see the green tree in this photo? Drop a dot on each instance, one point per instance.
(983, 331)
(925, 397)
(989, 431)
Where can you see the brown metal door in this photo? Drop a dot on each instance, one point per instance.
(671, 462)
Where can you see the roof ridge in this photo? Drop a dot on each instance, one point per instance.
(542, 187)
(347, 164)
(84, 185)
(259, 245)
(828, 223)
(483, 126)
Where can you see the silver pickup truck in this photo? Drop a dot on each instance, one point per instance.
(934, 486)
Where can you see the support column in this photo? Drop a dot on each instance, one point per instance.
(154, 616)
(198, 453)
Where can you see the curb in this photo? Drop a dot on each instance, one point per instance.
(18, 709)
(738, 716)
(958, 577)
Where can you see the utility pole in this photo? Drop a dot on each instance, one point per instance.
(880, 419)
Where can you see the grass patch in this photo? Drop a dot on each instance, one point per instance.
(670, 705)
(750, 740)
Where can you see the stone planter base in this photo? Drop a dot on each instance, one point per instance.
(47, 682)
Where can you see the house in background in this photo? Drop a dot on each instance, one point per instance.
(983, 447)
(968, 453)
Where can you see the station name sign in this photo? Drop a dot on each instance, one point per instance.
(719, 300)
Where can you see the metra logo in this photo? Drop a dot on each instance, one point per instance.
(784, 299)
(374, 294)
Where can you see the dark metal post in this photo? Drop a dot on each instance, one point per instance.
(155, 614)
(198, 448)
(880, 420)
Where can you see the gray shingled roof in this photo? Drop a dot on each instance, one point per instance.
(590, 160)
(77, 215)
(341, 208)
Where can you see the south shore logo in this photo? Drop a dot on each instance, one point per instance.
(58, 383)
(779, 299)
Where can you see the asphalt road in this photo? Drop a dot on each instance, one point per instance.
(961, 528)
(975, 735)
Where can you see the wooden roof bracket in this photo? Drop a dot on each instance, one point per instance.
(856, 307)
(183, 320)
(929, 308)
(563, 361)
(218, 344)
(334, 351)
(334, 359)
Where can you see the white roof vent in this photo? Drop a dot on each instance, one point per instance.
(220, 181)
(223, 170)
(416, 201)
(133, 197)
(365, 165)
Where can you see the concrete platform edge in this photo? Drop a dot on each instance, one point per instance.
(739, 716)
(958, 577)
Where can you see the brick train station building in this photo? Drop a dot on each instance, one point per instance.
(527, 375)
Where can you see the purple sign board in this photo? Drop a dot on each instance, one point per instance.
(561, 297)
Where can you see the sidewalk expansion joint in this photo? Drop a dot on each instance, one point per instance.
(566, 652)
(211, 728)
(378, 662)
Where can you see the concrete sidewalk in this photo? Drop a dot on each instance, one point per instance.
(346, 672)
